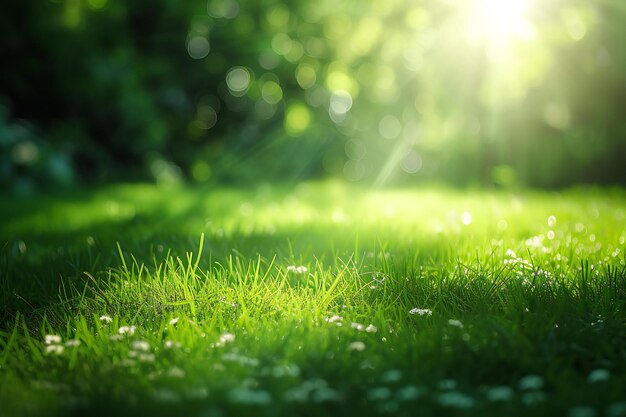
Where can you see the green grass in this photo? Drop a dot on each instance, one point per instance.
(526, 292)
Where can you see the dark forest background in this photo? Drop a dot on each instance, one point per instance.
(381, 92)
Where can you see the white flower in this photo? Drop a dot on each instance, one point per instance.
(455, 323)
(116, 337)
(358, 326)
(392, 375)
(334, 319)
(421, 311)
(358, 346)
(176, 372)
(408, 393)
(371, 329)
(530, 382)
(54, 349)
(141, 345)
(169, 344)
(249, 396)
(106, 319)
(598, 375)
(456, 400)
(225, 338)
(301, 269)
(174, 321)
(52, 339)
(129, 330)
(500, 393)
(72, 343)
(146, 357)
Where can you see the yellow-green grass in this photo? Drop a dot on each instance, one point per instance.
(316, 299)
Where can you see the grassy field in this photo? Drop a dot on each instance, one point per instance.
(319, 299)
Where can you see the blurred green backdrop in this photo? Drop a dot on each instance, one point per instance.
(476, 92)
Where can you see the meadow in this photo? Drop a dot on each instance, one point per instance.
(315, 299)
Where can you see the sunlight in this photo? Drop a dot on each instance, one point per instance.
(498, 22)
(502, 18)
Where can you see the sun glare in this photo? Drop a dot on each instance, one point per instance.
(498, 22)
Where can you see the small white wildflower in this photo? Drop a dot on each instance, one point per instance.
(52, 339)
(105, 319)
(227, 337)
(240, 359)
(169, 344)
(54, 349)
(598, 375)
(286, 370)
(116, 337)
(301, 269)
(408, 393)
(421, 311)
(455, 323)
(391, 376)
(456, 400)
(146, 357)
(501, 393)
(333, 319)
(530, 382)
(249, 396)
(128, 330)
(141, 346)
(72, 343)
(358, 346)
(371, 329)
(358, 326)
(176, 372)
(174, 321)
(551, 221)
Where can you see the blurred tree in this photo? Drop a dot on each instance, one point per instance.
(383, 91)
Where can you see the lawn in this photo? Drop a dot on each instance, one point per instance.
(315, 299)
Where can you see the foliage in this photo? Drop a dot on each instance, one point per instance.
(376, 91)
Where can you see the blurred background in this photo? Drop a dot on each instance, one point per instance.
(383, 92)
